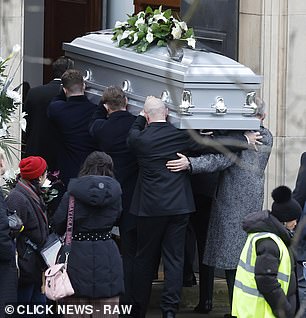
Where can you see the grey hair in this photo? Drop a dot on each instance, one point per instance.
(261, 107)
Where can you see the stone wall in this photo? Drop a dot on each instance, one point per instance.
(272, 41)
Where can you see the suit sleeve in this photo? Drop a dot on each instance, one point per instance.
(299, 193)
(6, 243)
(234, 142)
(135, 131)
(266, 271)
(97, 121)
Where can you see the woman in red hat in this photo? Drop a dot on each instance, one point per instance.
(26, 199)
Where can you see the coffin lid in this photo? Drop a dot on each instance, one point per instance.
(195, 67)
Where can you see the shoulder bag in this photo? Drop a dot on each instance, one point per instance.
(58, 284)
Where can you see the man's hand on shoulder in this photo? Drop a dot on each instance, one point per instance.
(178, 164)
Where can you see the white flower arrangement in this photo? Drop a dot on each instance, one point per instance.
(151, 27)
(10, 100)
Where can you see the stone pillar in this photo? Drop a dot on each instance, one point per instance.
(272, 42)
(11, 33)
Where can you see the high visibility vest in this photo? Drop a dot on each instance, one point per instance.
(247, 301)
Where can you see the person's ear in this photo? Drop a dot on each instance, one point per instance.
(106, 107)
(146, 117)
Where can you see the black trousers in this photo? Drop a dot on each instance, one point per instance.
(196, 235)
(128, 246)
(163, 235)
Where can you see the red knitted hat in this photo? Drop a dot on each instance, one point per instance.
(32, 167)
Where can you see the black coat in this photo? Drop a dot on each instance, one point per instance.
(71, 119)
(8, 271)
(111, 136)
(267, 263)
(299, 194)
(29, 206)
(94, 267)
(160, 192)
(41, 139)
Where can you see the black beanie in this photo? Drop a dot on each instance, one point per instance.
(284, 207)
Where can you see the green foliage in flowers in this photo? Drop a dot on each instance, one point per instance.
(151, 27)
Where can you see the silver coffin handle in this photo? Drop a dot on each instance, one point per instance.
(88, 74)
(219, 106)
(186, 103)
(126, 85)
(165, 96)
(250, 104)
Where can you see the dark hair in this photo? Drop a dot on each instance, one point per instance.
(114, 97)
(61, 65)
(73, 80)
(97, 163)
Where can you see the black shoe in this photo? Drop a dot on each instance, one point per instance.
(168, 314)
(229, 316)
(203, 308)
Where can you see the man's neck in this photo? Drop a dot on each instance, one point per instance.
(117, 110)
(75, 94)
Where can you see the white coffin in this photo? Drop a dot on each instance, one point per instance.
(203, 91)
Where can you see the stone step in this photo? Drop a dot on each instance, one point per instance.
(190, 295)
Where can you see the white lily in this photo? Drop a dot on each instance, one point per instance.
(176, 32)
(191, 42)
(126, 34)
(159, 16)
(14, 96)
(140, 21)
(149, 37)
(120, 24)
(183, 25)
(22, 121)
(135, 39)
(47, 184)
(16, 48)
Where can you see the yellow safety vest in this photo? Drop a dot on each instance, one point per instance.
(247, 301)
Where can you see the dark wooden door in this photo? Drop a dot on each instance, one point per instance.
(215, 23)
(140, 5)
(66, 20)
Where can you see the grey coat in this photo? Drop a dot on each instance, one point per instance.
(240, 192)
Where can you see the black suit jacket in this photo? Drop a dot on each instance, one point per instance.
(111, 137)
(160, 192)
(71, 119)
(40, 135)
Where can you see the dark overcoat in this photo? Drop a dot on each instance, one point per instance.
(71, 119)
(41, 138)
(110, 135)
(94, 267)
(29, 206)
(8, 271)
